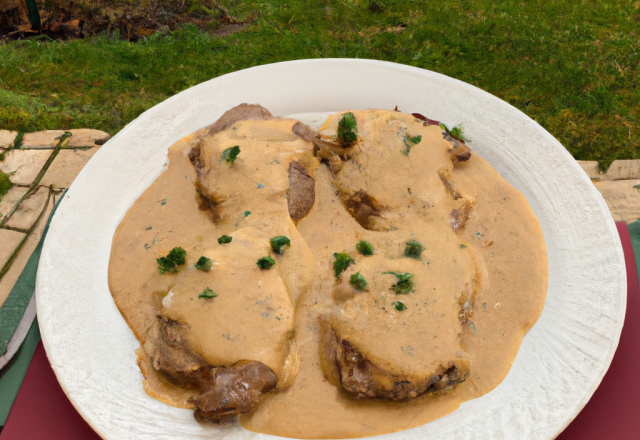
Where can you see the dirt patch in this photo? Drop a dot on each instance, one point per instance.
(13, 15)
(130, 19)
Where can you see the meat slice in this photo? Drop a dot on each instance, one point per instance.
(301, 192)
(238, 113)
(363, 207)
(233, 390)
(362, 379)
(305, 132)
(384, 342)
(221, 392)
(459, 153)
(224, 187)
(323, 148)
(172, 356)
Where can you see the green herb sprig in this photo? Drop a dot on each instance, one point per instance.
(343, 260)
(207, 293)
(205, 264)
(230, 154)
(410, 142)
(265, 263)
(358, 281)
(364, 247)
(170, 263)
(278, 242)
(347, 130)
(225, 239)
(456, 132)
(404, 283)
(399, 306)
(413, 249)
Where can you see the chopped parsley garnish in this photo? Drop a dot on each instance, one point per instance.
(462, 246)
(265, 262)
(246, 213)
(343, 260)
(413, 249)
(225, 239)
(171, 262)
(207, 293)
(204, 264)
(399, 306)
(148, 229)
(278, 242)
(230, 154)
(410, 142)
(358, 281)
(347, 130)
(456, 132)
(364, 247)
(404, 284)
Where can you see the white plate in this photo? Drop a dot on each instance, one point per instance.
(561, 361)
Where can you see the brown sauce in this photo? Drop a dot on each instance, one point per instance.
(496, 263)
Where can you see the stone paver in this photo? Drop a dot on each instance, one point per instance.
(10, 278)
(7, 137)
(10, 199)
(66, 166)
(623, 170)
(591, 168)
(42, 139)
(84, 137)
(622, 198)
(25, 164)
(29, 210)
(9, 242)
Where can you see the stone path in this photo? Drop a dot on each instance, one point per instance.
(620, 187)
(41, 165)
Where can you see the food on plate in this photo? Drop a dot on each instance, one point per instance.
(360, 279)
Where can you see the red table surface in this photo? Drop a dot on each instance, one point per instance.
(42, 410)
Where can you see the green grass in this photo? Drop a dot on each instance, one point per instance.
(5, 184)
(571, 66)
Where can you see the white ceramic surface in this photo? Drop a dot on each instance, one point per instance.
(561, 361)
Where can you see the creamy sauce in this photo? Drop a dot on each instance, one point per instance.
(496, 266)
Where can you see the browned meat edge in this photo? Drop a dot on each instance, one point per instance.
(460, 152)
(301, 192)
(364, 208)
(224, 391)
(362, 379)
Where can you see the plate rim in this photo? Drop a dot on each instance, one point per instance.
(49, 242)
